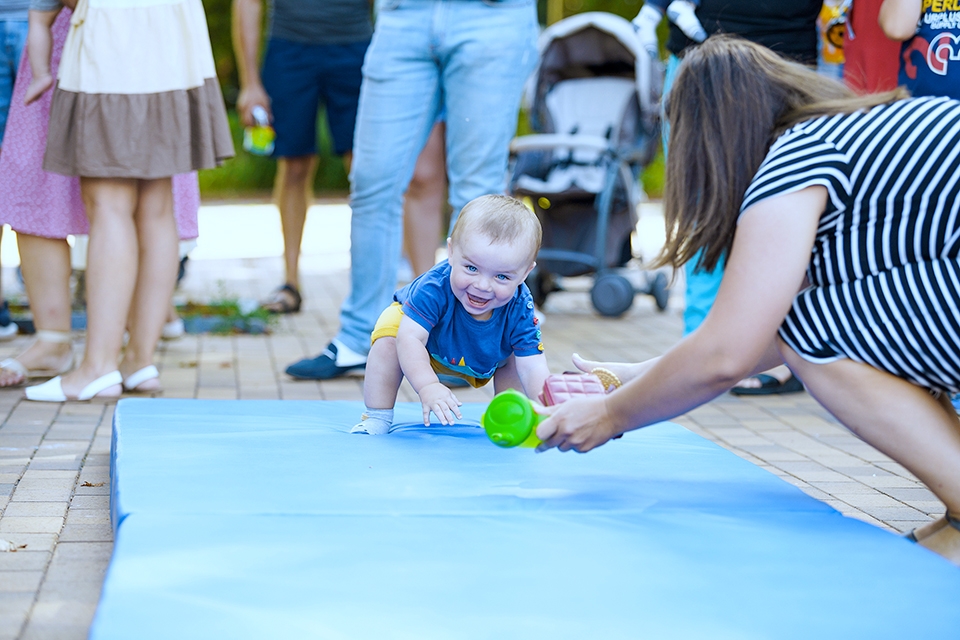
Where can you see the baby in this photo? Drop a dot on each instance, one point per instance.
(470, 317)
(39, 46)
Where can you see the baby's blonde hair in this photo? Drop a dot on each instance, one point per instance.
(499, 219)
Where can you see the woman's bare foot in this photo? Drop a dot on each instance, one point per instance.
(10, 377)
(78, 379)
(926, 530)
(945, 541)
(781, 373)
(150, 381)
(37, 87)
(40, 359)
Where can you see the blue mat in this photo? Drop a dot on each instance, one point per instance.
(267, 520)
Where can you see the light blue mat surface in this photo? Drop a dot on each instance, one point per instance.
(265, 519)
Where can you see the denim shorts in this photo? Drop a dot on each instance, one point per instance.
(299, 78)
(13, 35)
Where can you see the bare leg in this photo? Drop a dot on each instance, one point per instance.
(380, 386)
(45, 263)
(383, 375)
(424, 202)
(293, 194)
(901, 420)
(111, 274)
(507, 377)
(156, 276)
(8, 330)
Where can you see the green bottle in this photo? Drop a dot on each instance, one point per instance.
(510, 420)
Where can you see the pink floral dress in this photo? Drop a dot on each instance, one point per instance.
(39, 203)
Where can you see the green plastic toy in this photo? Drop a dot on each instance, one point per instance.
(510, 420)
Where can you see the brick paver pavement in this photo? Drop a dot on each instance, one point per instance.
(54, 459)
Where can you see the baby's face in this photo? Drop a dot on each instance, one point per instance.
(485, 275)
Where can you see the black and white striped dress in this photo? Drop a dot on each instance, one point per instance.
(885, 268)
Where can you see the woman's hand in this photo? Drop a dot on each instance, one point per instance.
(581, 424)
(440, 400)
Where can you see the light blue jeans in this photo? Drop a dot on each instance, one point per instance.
(472, 57)
(13, 35)
(702, 286)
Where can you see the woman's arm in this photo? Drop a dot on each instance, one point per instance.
(898, 18)
(764, 271)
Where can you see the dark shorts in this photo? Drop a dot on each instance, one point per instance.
(299, 77)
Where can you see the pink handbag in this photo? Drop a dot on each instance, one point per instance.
(560, 387)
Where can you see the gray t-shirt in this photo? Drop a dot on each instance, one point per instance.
(321, 21)
(14, 9)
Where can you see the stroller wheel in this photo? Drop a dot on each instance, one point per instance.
(659, 290)
(540, 284)
(611, 295)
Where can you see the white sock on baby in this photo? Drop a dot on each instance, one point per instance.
(375, 422)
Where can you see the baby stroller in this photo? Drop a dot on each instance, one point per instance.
(594, 104)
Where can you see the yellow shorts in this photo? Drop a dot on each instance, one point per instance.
(386, 327)
(387, 323)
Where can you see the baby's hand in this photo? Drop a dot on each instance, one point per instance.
(37, 87)
(437, 398)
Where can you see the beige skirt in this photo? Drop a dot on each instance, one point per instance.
(137, 94)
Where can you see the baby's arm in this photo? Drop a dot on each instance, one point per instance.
(533, 373)
(415, 363)
(39, 46)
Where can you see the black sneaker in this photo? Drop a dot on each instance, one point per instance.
(323, 367)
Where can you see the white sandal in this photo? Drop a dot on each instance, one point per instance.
(134, 380)
(52, 390)
(43, 335)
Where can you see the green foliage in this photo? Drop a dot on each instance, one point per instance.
(248, 175)
(652, 177)
(623, 8)
(226, 314)
(218, 22)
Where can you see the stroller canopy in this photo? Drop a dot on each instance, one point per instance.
(593, 44)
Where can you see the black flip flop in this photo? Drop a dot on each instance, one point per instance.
(769, 385)
(280, 303)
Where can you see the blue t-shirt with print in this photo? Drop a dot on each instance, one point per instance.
(930, 61)
(459, 341)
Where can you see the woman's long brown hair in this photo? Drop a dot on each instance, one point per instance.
(730, 101)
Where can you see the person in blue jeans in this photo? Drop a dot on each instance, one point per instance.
(13, 37)
(472, 57)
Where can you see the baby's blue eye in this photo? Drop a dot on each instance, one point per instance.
(471, 268)
(502, 278)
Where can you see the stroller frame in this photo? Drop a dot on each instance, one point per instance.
(618, 161)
